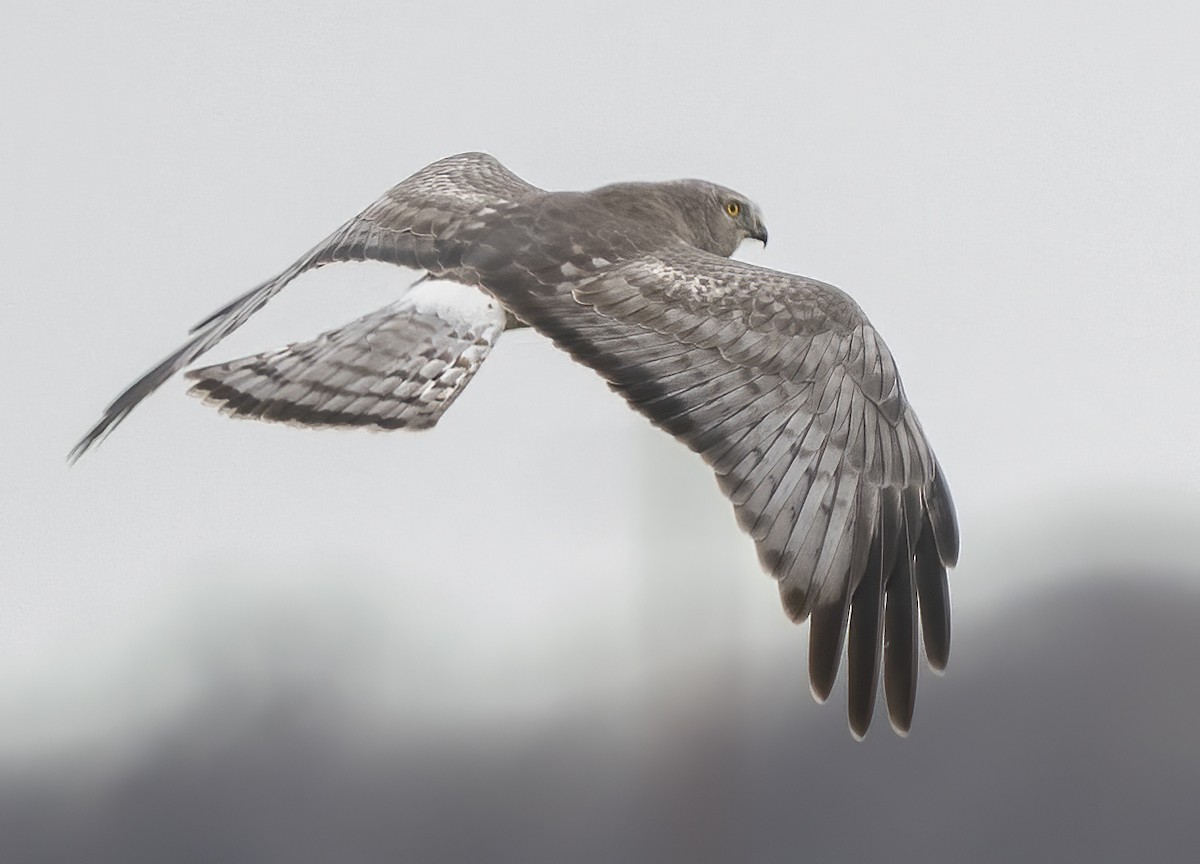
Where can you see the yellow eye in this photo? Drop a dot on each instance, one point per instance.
(733, 208)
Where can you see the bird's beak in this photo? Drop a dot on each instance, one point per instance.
(759, 233)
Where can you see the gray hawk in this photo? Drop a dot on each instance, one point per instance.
(779, 382)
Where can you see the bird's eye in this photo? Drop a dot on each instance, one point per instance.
(733, 208)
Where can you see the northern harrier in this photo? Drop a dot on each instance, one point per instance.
(779, 382)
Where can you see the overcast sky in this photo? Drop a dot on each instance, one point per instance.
(1009, 190)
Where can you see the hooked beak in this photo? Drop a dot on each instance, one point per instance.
(759, 233)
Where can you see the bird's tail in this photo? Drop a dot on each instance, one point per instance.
(400, 367)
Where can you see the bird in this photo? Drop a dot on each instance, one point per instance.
(779, 382)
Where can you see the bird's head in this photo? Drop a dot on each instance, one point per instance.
(703, 214)
(720, 218)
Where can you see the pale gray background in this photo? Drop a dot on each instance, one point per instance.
(536, 632)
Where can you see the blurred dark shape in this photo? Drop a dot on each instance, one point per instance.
(1065, 734)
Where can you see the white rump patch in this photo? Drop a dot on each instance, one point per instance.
(463, 307)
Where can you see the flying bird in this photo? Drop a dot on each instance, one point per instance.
(778, 381)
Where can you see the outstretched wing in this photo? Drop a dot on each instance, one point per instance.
(399, 367)
(786, 390)
(443, 199)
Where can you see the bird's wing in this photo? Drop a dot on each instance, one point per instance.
(786, 390)
(445, 198)
(400, 367)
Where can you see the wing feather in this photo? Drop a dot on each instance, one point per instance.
(793, 398)
(739, 450)
(900, 641)
(397, 229)
(864, 646)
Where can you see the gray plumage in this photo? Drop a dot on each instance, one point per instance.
(779, 382)
(399, 367)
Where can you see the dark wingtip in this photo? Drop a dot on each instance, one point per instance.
(859, 726)
(114, 415)
(129, 399)
(900, 712)
(795, 600)
(942, 516)
(900, 646)
(864, 647)
(827, 630)
(84, 444)
(861, 703)
(81, 447)
(933, 599)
